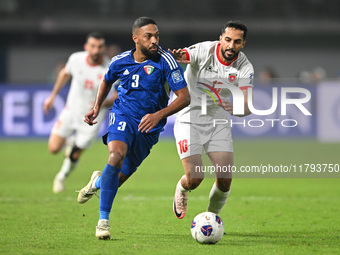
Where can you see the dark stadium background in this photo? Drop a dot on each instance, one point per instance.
(287, 35)
(290, 43)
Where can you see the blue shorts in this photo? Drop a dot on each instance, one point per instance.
(122, 128)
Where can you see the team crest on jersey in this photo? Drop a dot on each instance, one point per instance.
(149, 69)
(232, 77)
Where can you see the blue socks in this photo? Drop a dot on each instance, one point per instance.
(97, 183)
(108, 183)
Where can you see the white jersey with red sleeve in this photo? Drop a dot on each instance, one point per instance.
(205, 75)
(85, 82)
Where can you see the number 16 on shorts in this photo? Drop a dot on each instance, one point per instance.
(183, 146)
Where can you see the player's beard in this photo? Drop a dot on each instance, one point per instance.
(148, 52)
(227, 57)
(96, 58)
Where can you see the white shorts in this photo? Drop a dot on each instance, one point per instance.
(69, 124)
(192, 138)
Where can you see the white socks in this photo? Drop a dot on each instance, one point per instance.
(179, 186)
(66, 168)
(217, 199)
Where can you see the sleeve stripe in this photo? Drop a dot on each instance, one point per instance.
(122, 55)
(172, 63)
(187, 54)
(172, 59)
(168, 57)
(167, 61)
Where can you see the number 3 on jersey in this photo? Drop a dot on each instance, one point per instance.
(135, 80)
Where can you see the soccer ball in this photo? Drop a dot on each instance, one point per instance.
(207, 228)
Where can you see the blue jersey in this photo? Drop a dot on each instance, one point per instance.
(144, 87)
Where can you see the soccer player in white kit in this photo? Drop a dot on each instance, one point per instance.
(87, 69)
(210, 63)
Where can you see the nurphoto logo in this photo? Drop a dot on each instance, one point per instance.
(221, 90)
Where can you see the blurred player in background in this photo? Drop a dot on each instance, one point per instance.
(146, 74)
(194, 131)
(87, 69)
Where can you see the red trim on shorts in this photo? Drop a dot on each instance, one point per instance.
(218, 56)
(245, 87)
(58, 124)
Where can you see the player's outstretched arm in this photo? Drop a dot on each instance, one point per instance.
(228, 106)
(180, 56)
(149, 121)
(103, 91)
(62, 79)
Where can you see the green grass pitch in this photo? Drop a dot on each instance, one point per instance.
(262, 215)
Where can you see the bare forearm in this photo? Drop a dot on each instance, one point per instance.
(182, 100)
(62, 79)
(149, 121)
(246, 107)
(246, 110)
(103, 91)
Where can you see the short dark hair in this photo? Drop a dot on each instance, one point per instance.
(141, 22)
(237, 25)
(96, 34)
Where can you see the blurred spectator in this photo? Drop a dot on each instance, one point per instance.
(268, 75)
(305, 77)
(312, 77)
(318, 74)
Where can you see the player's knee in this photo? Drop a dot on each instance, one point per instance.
(116, 158)
(193, 183)
(53, 149)
(75, 153)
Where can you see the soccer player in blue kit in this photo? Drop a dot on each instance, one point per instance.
(138, 115)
